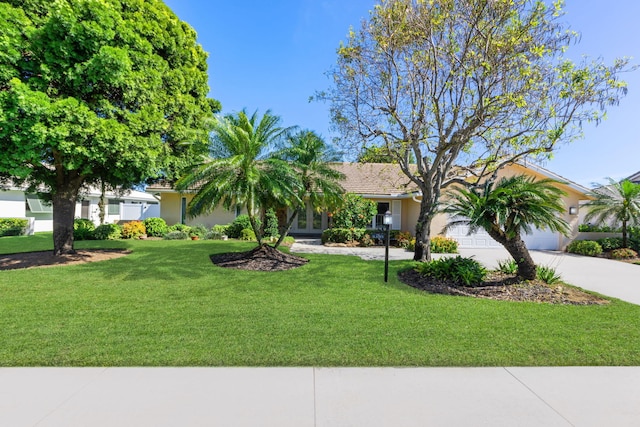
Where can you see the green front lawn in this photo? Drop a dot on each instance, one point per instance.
(166, 304)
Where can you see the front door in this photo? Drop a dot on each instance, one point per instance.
(308, 221)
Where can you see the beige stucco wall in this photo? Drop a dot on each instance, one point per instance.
(170, 210)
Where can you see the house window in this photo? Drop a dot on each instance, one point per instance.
(238, 210)
(113, 207)
(183, 210)
(37, 205)
(317, 220)
(302, 219)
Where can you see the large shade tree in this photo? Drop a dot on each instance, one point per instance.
(111, 91)
(508, 209)
(464, 87)
(241, 171)
(618, 202)
(318, 183)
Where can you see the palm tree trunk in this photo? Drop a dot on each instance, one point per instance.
(624, 234)
(518, 250)
(285, 230)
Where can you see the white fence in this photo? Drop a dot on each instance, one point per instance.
(139, 211)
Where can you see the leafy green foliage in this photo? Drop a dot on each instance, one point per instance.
(508, 266)
(198, 231)
(443, 245)
(242, 222)
(83, 229)
(156, 227)
(176, 235)
(464, 271)
(240, 171)
(602, 228)
(610, 243)
(133, 230)
(619, 202)
(180, 227)
(13, 226)
(107, 232)
(355, 212)
(585, 247)
(548, 274)
(248, 235)
(623, 253)
(343, 235)
(507, 209)
(271, 224)
(98, 91)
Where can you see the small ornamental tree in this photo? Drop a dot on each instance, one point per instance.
(355, 212)
(91, 92)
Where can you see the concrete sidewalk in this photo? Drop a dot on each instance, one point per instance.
(607, 277)
(317, 397)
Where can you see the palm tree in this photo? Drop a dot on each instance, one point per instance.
(239, 170)
(508, 209)
(309, 156)
(619, 201)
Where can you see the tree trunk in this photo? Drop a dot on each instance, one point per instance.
(102, 202)
(422, 251)
(518, 250)
(64, 209)
(625, 243)
(284, 231)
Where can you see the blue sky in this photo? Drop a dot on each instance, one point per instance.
(274, 55)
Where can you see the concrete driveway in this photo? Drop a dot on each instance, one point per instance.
(607, 277)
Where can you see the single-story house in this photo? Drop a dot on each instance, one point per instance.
(393, 191)
(635, 178)
(121, 206)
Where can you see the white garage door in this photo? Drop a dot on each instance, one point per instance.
(539, 239)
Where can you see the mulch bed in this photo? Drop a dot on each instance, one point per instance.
(47, 259)
(504, 287)
(262, 258)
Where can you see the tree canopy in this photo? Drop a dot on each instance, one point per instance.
(464, 86)
(110, 91)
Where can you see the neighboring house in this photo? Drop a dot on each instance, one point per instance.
(635, 178)
(121, 206)
(393, 191)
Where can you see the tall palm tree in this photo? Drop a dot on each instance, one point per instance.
(239, 170)
(619, 201)
(506, 210)
(319, 185)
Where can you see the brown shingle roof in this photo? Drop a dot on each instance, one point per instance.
(360, 178)
(374, 178)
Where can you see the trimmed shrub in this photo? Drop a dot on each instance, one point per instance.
(597, 228)
(342, 235)
(623, 253)
(221, 229)
(83, 229)
(179, 227)
(13, 226)
(463, 271)
(176, 235)
(133, 230)
(585, 247)
(443, 245)
(634, 238)
(107, 232)
(248, 234)
(366, 241)
(156, 227)
(271, 224)
(610, 243)
(234, 230)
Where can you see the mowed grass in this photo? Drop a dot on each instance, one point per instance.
(166, 304)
